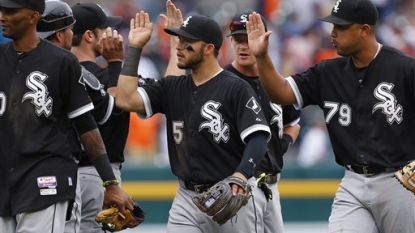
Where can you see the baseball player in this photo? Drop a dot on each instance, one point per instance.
(283, 122)
(216, 127)
(367, 96)
(56, 26)
(91, 24)
(38, 99)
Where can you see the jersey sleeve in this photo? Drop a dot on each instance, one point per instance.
(74, 95)
(290, 115)
(152, 92)
(250, 115)
(305, 87)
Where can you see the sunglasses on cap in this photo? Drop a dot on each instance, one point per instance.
(237, 25)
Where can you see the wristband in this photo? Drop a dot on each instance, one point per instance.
(130, 67)
(114, 70)
(288, 139)
(110, 182)
(104, 169)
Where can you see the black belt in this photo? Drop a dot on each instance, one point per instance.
(369, 170)
(270, 178)
(198, 187)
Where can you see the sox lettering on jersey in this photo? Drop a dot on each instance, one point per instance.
(389, 105)
(40, 92)
(277, 118)
(215, 123)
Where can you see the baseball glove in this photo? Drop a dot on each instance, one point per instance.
(407, 176)
(113, 220)
(219, 202)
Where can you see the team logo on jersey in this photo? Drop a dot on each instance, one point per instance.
(336, 6)
(186, 22)
(253, 105)
(214, 123)
(39, 94)
(389, 106)
(277, 118)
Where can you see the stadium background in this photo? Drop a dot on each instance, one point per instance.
(310, 176)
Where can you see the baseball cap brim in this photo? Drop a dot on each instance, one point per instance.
(44, 35)
(335, 20)
(111, 21)
(10, 4)
(237, 32)
(180, 32)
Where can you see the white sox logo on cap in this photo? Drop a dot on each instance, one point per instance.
(186, 22)
(336, 6)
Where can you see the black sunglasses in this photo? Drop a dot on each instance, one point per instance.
(237, 25)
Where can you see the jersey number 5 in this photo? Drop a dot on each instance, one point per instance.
(344, 110)
(178, 131)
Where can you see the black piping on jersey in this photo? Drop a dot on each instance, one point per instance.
(299, 103)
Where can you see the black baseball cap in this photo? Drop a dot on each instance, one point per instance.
(346, 12)
(199, 27)
(238, 24)
(91, 15)
(36, 5)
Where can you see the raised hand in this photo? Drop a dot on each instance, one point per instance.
(111, 45)
(140, 30)
(173, 18)
(258, 39)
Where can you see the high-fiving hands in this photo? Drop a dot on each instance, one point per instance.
(173, 18)
(258, 39)
(140, 30)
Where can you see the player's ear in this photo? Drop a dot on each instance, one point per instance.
(366, 30)
(209, 49)
(34, 17)
(89, 36)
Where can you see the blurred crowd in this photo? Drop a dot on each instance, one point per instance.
(298, 41)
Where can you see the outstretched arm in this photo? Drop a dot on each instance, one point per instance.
(173, 19)
(275, 85)
(127, 97)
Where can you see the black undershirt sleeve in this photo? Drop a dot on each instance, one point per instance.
(84, 123)
(256, 147)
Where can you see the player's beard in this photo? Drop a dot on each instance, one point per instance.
(194, 60)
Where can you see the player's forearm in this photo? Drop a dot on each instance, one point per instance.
(95, 149)
(128, 81)
(293, 131)
(256, 147)
(275, 85)
(93, 144)
(127, 97)
(172, 68)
